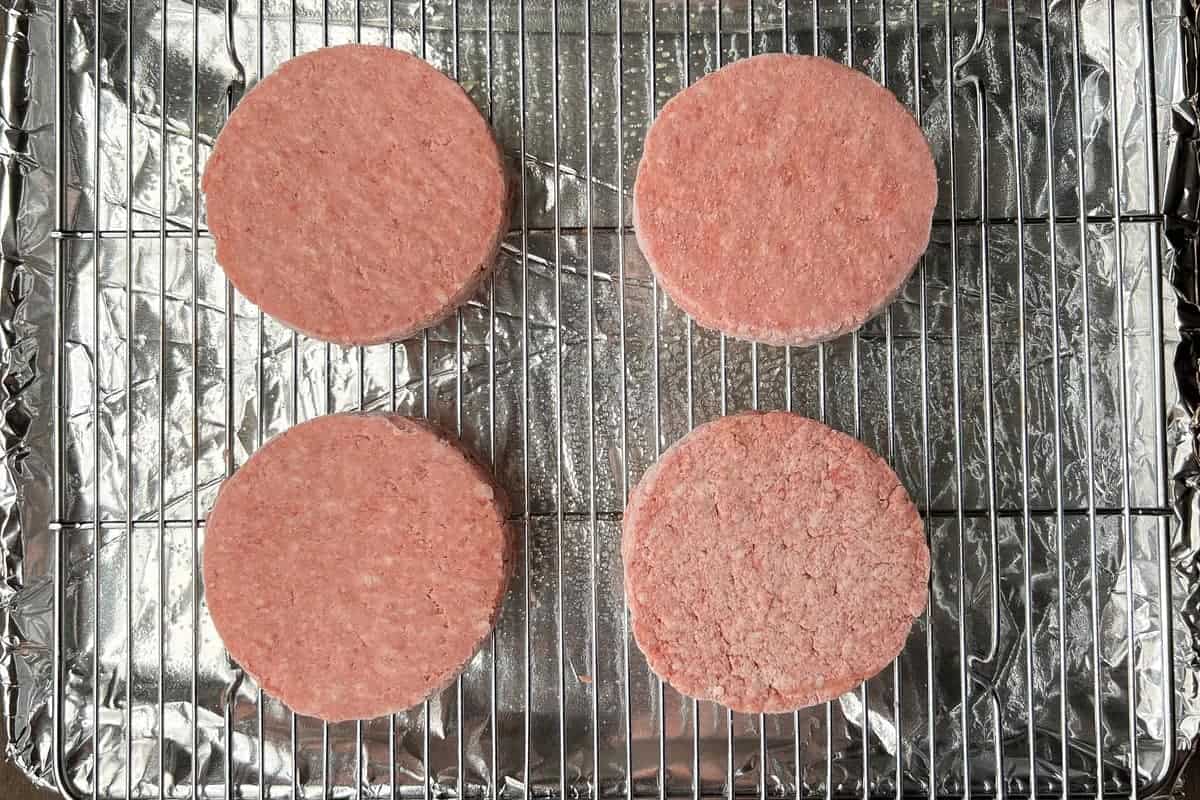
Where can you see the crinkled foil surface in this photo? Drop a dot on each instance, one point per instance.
(1035, 386)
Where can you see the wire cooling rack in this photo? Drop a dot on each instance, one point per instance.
(1018, 386)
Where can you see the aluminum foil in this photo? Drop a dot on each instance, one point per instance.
(1021, 385)
(1180, 208)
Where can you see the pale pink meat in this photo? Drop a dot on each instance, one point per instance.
(771, 563)
(784, 199)
(355, 563)
(356, 194)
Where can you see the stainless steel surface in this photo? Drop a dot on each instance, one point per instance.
(1019, 386)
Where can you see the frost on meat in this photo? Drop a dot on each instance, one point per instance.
(355, 563)
(771, 563)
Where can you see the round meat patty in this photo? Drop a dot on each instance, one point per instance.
(771, 563)
(784, 199)
(355, 563)
(356, 194)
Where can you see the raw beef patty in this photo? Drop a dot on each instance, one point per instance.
(355, 563)
(784, 199)
(356, 195)
(771, 563)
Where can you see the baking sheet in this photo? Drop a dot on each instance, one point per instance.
(571, 372)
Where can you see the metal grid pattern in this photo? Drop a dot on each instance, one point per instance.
(1031, 430)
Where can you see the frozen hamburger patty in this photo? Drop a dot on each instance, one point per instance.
(771, 563)
(355, 563)
(784, 199)
(356, 194)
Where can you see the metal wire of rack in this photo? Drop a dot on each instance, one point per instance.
(1031, 430)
